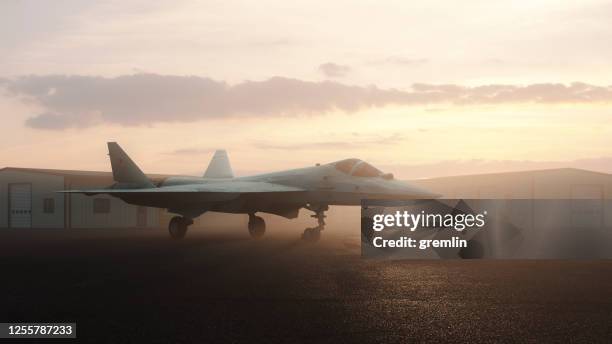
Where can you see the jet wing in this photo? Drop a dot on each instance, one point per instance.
(230, 187)
(193, 196)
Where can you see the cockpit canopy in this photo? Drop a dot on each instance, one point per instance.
(357, 168)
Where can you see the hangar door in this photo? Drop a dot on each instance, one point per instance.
(20, 205)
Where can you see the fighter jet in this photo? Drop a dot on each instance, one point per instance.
(315, 188)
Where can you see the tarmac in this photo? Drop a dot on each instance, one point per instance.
(135, 285)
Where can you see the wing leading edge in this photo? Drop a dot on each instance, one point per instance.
(233, 187)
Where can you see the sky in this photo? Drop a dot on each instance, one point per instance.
(419, 88)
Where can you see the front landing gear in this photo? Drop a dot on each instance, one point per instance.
(257, 226)
(178, 227)
(313, 234)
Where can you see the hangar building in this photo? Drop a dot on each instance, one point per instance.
(556, 213)
(562, 183)
(583, 197)
(28, 198)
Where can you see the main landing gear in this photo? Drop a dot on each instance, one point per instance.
(178, 227)
(313, 234)
(257, 226)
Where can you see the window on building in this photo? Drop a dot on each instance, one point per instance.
(48, 205)
(101, 205)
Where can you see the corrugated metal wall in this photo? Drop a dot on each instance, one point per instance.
(562, 183)
(43, 186)
(121, 214)
(80, 214)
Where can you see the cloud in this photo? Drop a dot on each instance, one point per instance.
(50, 121)
(140, 99)
(332, 70)
(336, 144)
(74, 101)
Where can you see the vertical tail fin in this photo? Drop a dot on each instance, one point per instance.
(125, 170)
(219, 166)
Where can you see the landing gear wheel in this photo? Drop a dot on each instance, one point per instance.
(178, 227)
(257, 226)
(312, 234)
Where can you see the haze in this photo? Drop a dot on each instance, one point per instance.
(418, 88)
